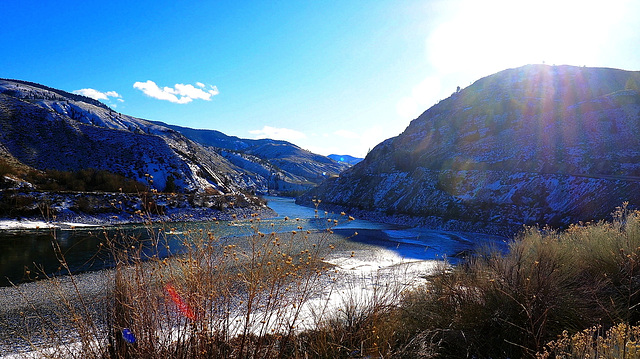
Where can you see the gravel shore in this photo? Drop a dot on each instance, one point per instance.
(24, 308)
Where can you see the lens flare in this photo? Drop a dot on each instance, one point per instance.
(182, 306)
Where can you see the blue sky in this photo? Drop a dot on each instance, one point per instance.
(330, 76)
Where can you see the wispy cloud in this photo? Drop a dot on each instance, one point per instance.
(95, 94)
(179, 93)
(274, 133)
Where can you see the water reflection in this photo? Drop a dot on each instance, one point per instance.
(26, 254)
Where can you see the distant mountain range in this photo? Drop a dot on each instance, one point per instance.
(350, 160)
(532, 145)
(45, 128)
(287, 163)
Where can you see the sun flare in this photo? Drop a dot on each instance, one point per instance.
(492, 35)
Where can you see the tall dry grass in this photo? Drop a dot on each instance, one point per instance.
(217, 297)
(621, 341)
(220, 297)
(244, 297)
(512, 304)
(225, 298)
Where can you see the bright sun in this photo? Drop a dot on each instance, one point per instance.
(487, 36)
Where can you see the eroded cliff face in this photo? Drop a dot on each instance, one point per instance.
(533, 145)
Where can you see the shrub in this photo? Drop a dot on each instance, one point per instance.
(6, 168)
(620, 341)
(220, 297)
(360, 325)
(16, 204)
(510, 304)
(84, 180)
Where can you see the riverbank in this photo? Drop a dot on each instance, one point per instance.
(40, 210)
(76, 220)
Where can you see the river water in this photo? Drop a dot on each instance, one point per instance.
(26, 254)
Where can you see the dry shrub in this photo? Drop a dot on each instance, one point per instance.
(510, 304)
(619, 342)
(214, 297)
(363, 323)
(245, 298)
(219, 297)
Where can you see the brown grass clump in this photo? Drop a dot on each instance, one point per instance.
(218, 298)
(512, 304)
(361, 325)
(619, 342)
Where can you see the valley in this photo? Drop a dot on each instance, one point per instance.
(480, 185)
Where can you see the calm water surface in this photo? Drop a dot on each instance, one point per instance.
(23, 251)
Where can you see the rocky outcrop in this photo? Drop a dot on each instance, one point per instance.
(532, 145)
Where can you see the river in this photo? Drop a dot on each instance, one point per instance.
(26, 254)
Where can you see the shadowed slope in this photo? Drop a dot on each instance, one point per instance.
(536, 144)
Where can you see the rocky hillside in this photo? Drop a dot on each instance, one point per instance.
(532, 145)
(284, 165)
(50, 129)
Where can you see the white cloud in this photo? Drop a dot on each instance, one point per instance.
(278, 133)
(95, 94)
(200, 84)
(180, 93)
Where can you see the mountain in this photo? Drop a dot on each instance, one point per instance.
(350, 160)
(45, 128)
(532, 145)
(284, 165)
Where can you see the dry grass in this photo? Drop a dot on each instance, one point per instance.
(216, 298)
(619, 342)
(512, 304)
(248, 299)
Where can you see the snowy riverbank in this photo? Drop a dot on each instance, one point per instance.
(42, 210)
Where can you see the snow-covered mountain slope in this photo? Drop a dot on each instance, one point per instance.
(51, 129)
(284, 165)
(536, 144)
